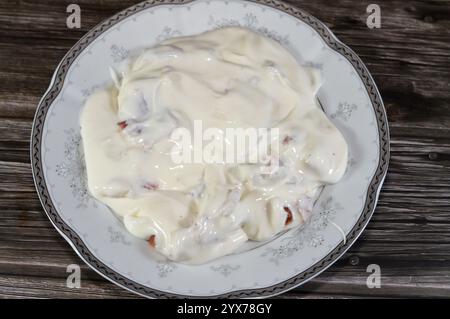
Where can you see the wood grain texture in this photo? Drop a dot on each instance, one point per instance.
(409, 235)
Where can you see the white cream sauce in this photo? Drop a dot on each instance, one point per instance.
(228, 78)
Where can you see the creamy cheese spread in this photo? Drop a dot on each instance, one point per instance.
(226, 78)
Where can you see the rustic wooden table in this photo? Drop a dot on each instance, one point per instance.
(409, 235)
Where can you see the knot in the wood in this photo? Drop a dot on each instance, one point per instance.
(428, 19)
(354, 260)
(433, 156)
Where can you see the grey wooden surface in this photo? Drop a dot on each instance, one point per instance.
(409, 235)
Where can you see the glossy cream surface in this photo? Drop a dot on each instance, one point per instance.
(227, 78)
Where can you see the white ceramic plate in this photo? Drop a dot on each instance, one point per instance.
(348, 96)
